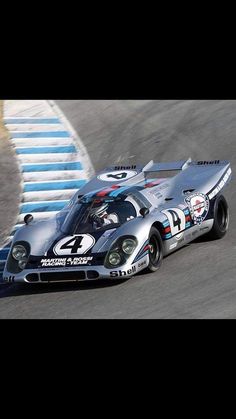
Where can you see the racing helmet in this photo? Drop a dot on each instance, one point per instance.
(99, 209)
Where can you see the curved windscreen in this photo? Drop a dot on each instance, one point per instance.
(95, 214)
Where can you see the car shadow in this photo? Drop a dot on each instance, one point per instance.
(18, 289)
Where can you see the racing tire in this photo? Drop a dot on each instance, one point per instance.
(155, 250)
(221, 219)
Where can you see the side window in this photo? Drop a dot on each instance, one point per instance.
(141, 200)
(124, 210)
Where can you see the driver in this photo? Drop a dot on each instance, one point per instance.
(99, 216)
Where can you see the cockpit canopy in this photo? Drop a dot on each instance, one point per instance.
(78, 219)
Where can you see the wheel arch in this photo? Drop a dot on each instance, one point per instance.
(159, 226)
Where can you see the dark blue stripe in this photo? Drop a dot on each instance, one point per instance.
(43, 206)
(141, 256)
(119, 191)
(40, 134)
(4, 253)
(54, 186)
(17, 121)
(141, 250)
(51, 166)
(46, 150)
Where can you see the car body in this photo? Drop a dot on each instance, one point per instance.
(160, 206)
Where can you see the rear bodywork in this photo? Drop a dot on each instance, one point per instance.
(180, 206)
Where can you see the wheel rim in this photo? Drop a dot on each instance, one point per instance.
(154, 251)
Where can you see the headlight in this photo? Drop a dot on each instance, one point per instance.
(128, 246)
(120, 251)
(114, 258)
(19, 252)
(22, 263)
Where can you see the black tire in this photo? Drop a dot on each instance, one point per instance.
(221, 219)
(155, 251)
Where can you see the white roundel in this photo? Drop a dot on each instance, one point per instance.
(198, 204)
(118, 175)
(74, 245)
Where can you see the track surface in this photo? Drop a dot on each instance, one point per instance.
(198, 281)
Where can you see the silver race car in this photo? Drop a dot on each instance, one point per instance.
(125, 220)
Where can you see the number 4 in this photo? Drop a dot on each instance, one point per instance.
(75, 246)
(176, 219)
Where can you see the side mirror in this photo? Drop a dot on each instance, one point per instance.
(28, 218)
(144, 211)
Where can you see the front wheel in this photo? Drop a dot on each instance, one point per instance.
(155, 250)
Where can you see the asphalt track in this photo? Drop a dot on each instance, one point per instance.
(198, 281)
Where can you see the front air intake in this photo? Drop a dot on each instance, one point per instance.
(62, 276)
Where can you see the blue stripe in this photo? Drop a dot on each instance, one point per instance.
(17, 121)
(141, 251)
(54, 186)
(46, 150)
(43, 206)
(4, 253)
(166, 224)
(141, 256)
(51, 166)
(187, 224)
(40, 134)
(168, 236)
(118, 191)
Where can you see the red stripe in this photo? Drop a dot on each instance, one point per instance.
(188, 218)
(167, 230)
(105, 192)
(146, 248)
(151, 184)
(154, 183)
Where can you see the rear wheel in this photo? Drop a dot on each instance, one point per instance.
(155, 250)
(221, 219)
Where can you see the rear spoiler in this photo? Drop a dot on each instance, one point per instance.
(157, 167)
(181, 165)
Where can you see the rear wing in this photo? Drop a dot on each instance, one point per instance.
(157, 167)
(181, 165)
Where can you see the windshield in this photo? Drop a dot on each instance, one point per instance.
(89, 215)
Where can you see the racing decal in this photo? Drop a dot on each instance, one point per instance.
(153, 183)
(115, 274)
(177, 221)
(117, 175)
(142, 264)
(142, 252)
(220, 185)
(173, 246)
(107, 191)
(74, 245)
(125, 167)
(69, 261)
(205, 162)
(198, 204)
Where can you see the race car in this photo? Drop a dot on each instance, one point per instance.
(123, 221)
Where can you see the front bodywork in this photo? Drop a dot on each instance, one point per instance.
(180, 207)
